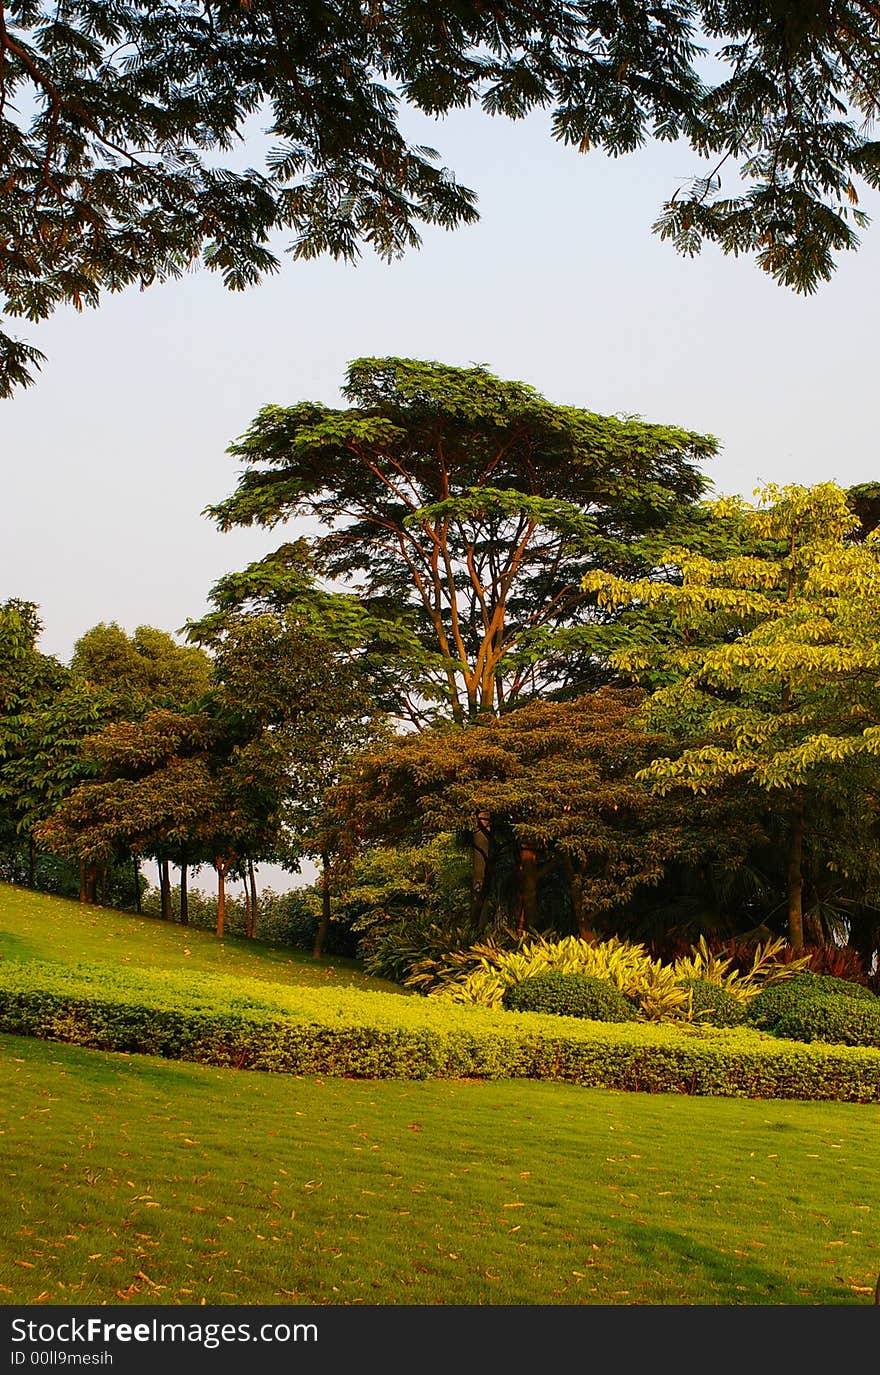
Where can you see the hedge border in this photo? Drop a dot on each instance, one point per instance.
(343, 1039)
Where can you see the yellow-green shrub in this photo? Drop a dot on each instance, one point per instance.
(662, 991)
(629, 967)
(767, 967)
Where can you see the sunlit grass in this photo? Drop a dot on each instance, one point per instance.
(133, 1179)
(34, 926)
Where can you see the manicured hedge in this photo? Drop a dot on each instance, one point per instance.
(338, 1031)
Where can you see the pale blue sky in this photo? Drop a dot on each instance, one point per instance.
(110, 458)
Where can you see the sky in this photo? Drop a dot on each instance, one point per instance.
(109, 460)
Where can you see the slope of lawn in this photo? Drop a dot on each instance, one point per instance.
(35, 926)
(134, 1179)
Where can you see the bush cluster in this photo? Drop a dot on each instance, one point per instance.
(834, 1017)
(252, 1024)
(779, 1000)
(570, 995)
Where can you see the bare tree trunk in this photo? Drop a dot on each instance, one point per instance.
(32, 862)
(103, 873)
(136, 866)
(165, 890)
(83, 886)
(528, 889)
(796, 880)
(255, 908)
(479, 871)
(324, 923)
(222, 866)
(247, 908)
(184, 893)
(92, 883)
(582, 926)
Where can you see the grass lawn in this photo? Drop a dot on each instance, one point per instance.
(34, 926)
(133, 1179)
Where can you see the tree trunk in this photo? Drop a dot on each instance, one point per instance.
(104, 877)
(136, 865)
(796, 880)
(32, 862)
(165, 889)
(255, 910)
(324, 923)
(222, 866)
(184, 894)
(528, 889)
(479, 871)
(247, 908)
(92, 884)
(582, 928)
(83, 887)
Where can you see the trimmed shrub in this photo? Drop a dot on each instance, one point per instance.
(777, 1001)
(254, 1024)
(570, 995)
(713, 1003)
(833, 1017)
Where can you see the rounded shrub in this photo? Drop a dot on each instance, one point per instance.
(833, 1017)
(780, 998)
(714, 1004)
(570, 995)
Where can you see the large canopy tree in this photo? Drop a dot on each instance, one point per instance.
(460, 512)
(120, 121)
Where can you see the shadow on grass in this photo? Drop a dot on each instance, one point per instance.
(16, 948)
(712, 1274)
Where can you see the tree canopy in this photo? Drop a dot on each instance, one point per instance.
(146, 669)
(460, 512)
(773, 659)
(553, 787)
(120, 122)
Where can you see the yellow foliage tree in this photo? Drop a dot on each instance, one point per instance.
(773, 659)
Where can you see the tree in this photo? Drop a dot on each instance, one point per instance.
(160, 789)
(120, 117)
(554, 785)
(461, 511)
(146, 669)
(44, 716)
(232, 777)
(138, 673)
(772, 662)
(293, 706)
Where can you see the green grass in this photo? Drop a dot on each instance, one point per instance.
(34, 926)
(134, 1179)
